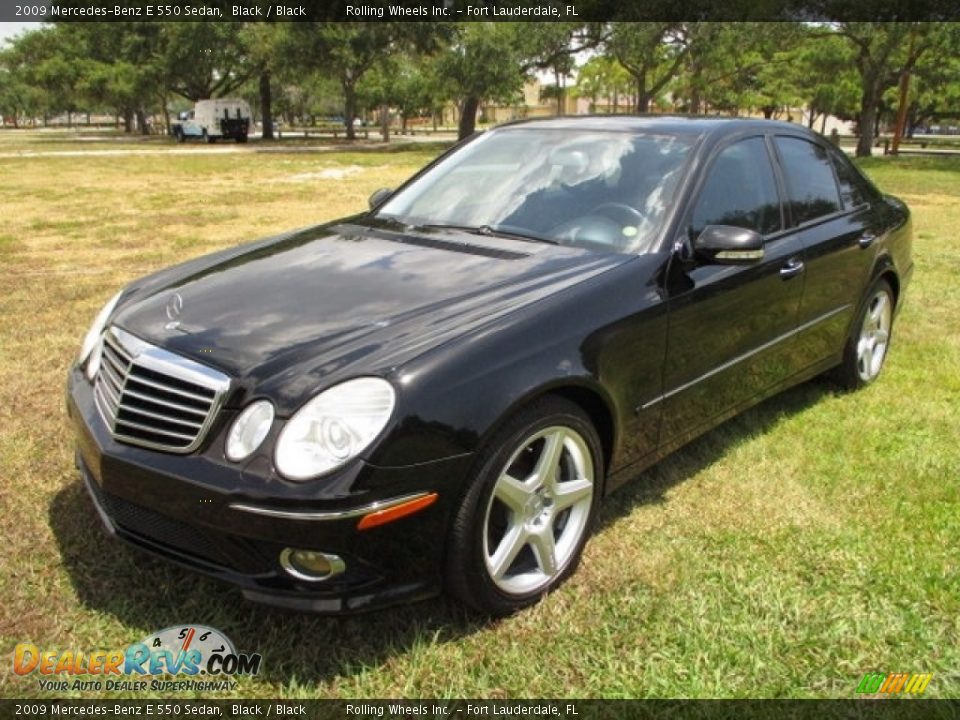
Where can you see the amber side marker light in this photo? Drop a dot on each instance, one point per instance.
(382, 517)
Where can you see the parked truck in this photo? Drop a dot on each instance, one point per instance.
(212, 120)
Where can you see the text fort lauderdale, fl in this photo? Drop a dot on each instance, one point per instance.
(368, 11)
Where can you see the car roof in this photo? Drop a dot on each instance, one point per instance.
(689, 125)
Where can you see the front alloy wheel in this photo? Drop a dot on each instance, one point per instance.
(527, 514)
(538, 511)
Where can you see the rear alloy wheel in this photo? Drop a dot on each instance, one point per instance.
(868, 343)
(527, 514)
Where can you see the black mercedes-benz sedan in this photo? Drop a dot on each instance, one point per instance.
(437, 393)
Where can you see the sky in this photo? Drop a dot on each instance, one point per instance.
(9, 29)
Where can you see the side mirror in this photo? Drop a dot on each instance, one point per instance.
(379, 197)
(728, 245)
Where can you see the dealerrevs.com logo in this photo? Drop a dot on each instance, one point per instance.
(184, 651)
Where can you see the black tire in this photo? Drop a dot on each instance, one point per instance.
(178, 134)
(468, 577)
(241, 138)
(853, 372)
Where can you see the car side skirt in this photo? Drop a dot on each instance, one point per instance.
(624, 475)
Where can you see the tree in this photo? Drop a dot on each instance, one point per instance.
(407, 83)
(42, 78)
(492, 60)
(19, 98)
(307, 96)
(551, 47)
(935, 91)
(824, 75)
(262, 43)
(603, 77)
(652, 53)
(733, 67)
(348, 51)
(481, 64)
(203, 60)
(882, 52)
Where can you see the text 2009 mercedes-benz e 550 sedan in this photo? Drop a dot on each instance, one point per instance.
(437, 393)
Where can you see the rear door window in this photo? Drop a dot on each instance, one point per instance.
(811, 185)
(854, 189)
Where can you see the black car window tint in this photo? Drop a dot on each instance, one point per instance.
(853, 188)
(740, 190)
(811, 185)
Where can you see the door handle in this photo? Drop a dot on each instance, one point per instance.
(791, 268)
(866, 240)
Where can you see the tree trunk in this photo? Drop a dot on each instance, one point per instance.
(643, 100)
(696, 77)
(468, 117)
(867, 118)
(349, 109)
(385, 122)
(767, 111)
(128, 121)
(556, 78)
(695, 101)
(142, 122)
(266, 111)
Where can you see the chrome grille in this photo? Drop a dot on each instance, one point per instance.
(154, 398)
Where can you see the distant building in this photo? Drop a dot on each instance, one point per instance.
(538, 99)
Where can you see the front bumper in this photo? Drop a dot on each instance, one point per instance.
(200, 511)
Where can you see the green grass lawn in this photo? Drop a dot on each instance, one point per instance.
(786, 553)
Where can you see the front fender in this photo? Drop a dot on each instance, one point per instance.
(596, 343)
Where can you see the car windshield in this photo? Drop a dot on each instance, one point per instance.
(596, 190)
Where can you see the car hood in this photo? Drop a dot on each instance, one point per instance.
(291, 315)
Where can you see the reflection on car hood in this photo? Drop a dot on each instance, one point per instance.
(294, 314)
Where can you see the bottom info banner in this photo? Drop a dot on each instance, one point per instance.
(505, 709)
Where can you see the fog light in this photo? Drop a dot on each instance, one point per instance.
(311, 565)
(249, 430)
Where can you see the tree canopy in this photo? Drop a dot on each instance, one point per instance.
(341, 71)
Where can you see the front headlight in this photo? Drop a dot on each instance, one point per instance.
(334, 427)
(91, 342)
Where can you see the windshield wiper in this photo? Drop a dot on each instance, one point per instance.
(490, 231)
